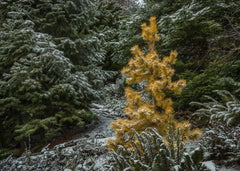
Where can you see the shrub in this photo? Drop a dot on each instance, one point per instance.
(151, 153)
(221, 139)
(226, 111)
(222, 144)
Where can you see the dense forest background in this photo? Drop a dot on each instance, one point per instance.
(58, 56)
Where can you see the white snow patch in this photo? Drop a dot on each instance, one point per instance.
(67, 170)
(68, 151)
(210, 165)
(104, 140)
(141, 3)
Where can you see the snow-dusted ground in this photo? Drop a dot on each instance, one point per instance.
(88, 153)
(83, 154)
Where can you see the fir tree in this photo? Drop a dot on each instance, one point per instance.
(52, 55)
(41, 93)
(157, 112)
(71, 25)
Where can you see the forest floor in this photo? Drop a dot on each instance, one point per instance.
(79, 151)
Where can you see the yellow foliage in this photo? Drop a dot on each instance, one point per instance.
(157, 73)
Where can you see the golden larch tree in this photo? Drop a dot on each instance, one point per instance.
(157, 112)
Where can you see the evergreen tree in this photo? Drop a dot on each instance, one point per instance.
(38, 91)
(50, 68)
(70, 24)
(157, 112)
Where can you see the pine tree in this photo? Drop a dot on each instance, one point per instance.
(156, 112)
(70, 23)
(41, 94)
(53, 62)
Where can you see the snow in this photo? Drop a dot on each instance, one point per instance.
(228, 169)
(141, 2)
(67, 170)
(210, 165)
(88, 152)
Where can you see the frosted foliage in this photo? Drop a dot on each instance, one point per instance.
(227, 110)
(223, 144)
(52, 60)
(45, 87)
(95, 53)
(79, 156)
(149, 152)
(189, 12)
(36, 59)
(42, 63)
(119, 56)
(97, 72)
(228, 81)
(93, 79)
(110, 107)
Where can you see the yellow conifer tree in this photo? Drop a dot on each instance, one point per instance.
(157, 73)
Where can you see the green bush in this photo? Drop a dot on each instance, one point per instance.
(225, 111)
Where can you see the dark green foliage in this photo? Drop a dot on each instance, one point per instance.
(194, 28)
(108, 24)
(231, 85)
(84, 30)
(5, 152)
(211, 78)
(39, 93)
(70, 25)
(188, 30)
(51, 59)
(197, 86)
(151, 153)
(225, 111)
